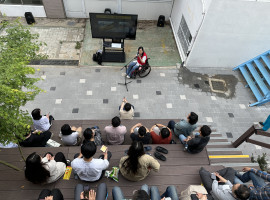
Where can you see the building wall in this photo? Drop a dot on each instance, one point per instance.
(233, 32)
(19, 10)
(146, 9)
(192, 11)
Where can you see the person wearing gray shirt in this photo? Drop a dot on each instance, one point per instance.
(185, 127)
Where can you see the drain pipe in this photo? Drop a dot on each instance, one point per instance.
(119, 6)
(200, 26)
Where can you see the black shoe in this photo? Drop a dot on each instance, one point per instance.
(161, 149)
(68, 162)
(159, 156)
(261, 123)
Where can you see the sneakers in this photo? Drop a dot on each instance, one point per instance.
(261, 123)
(185, 148)
(68, 162)
(128, 76)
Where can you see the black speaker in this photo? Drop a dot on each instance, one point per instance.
(161, 21)
(29, 18)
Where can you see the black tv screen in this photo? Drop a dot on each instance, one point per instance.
(113, 26)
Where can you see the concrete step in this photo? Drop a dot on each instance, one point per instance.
(215, 153)
(237, 166)
(229, 160)
(218, 139)
(216, 135)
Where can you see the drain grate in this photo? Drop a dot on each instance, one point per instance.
(55, 62)
(217, 85)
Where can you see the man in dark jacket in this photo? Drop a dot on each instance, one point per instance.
(36, 138)
(197, 143)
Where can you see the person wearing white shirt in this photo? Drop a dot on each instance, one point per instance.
(88, 168)
(71, 136)
(42, 123)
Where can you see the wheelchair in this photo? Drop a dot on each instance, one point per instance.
(142, 71)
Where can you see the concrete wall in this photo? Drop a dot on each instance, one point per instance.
(19, 10)
(233, 32)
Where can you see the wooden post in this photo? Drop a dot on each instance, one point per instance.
(244, 137)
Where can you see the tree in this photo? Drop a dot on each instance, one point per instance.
(18, 46)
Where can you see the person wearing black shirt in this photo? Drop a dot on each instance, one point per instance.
(196, 144)
(140, 133)
(36, 138)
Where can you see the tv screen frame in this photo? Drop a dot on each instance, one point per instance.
(113, 26)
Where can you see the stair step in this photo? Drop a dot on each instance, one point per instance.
(230, 160)
(228, 156)
(224, 152)
(264, 72)
(218, 139)
(251, 83)
(222, 149)
(219, 143)
(216, 135)
(233, 165)
(266, 60)
(257, 78)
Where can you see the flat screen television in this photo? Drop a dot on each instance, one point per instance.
(113, 26)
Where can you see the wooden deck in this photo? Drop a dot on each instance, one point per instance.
(180, 169)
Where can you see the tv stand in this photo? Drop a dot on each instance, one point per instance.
(113, 50)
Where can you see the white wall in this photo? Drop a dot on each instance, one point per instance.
(193, 14)
(233, 32)
(146, 9)
(19, 10)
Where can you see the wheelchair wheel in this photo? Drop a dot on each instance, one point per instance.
(145, 71)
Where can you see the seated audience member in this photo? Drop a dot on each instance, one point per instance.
(89, 168)
(54, 194)
(116, 132)
(260, 189)
(7, 145)
(140, 133)
(227, 191)
(71, 136)
(45, 170)
(145, 194)
(93, 134)
(126, 110)
(184, 127)
(160, 134)
(137, 165)
(265, 124)
(101, 193)
(197, 143)
(42, 123)
(36, 138)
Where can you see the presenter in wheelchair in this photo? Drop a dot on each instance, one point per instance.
(138, 61)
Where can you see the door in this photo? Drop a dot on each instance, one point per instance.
(75, 9)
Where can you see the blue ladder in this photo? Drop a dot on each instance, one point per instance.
(260, 86)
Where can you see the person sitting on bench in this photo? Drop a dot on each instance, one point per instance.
(137, 165)
(126, 110)
(139, 60)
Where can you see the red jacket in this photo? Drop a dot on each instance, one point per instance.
(139, 61)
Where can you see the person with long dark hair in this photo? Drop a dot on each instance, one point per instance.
(49, 169)
(137, 165)
(138, 61)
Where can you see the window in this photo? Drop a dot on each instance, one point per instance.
(184, 35)
(22, 2)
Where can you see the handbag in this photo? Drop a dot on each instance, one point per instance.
(192, 189)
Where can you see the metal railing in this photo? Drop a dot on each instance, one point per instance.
(246, 137)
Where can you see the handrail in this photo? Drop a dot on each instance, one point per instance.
(245, 137)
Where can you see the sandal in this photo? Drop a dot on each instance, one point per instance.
(159, 156)
(161, 149)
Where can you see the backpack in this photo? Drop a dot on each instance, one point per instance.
(97, 57)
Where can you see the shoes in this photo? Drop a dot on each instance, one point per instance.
(68, 162)
(128, 76)
(95, 127)
(261, 123)
(159, 156)
(147, 148)
(185, 148)
(161, 149)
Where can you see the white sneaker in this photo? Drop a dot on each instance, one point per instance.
(128, 76)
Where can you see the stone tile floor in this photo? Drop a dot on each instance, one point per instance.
(93, 93)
